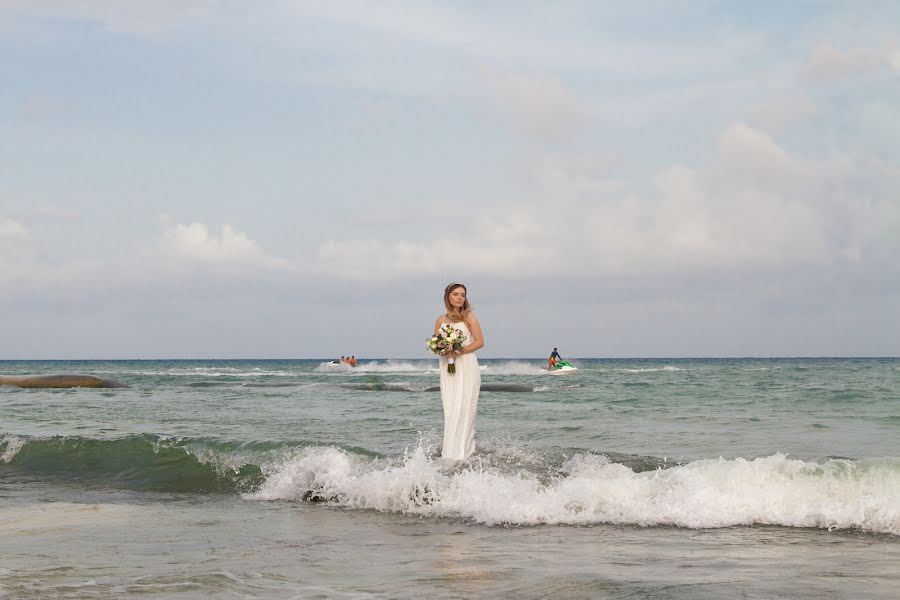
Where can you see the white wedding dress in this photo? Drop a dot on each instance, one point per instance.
(459, 395)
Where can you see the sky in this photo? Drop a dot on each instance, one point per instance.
(289, 179)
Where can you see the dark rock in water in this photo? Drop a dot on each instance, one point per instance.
(506, 387)
(317, 495)
(422, 495)
(60, 381)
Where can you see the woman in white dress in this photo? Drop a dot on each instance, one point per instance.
(459, 390)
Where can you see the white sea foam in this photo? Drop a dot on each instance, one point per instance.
(327, 367)
(775, 490)
(514, 367)
(387, 366)
(205, 372)
(430, 367)
(396, 366)
(11, 445)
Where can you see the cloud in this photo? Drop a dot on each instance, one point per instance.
(185, 246)
(419, 21)
(498, 246)
(11, 230)
(37, 106)
(535, 36)
(193, 242)
(371, 259)
(17, 247)
(544, 108)
(566, 174)
(55, 212)
(754, 207)
(778, 114)
(148, 17)
(828, 64)
(182, 261)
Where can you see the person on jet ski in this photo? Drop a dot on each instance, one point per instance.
(555, 358)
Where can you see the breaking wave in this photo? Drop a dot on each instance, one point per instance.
(589, 489)
(509, 484)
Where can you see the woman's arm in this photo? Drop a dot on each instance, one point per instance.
(437, 324)
(477, 336)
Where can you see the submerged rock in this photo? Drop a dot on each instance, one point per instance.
(60, 381)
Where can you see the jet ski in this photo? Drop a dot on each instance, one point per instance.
(563, 367)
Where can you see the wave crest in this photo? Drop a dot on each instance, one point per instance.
(503, 483)
(142, 462)
(590, 489)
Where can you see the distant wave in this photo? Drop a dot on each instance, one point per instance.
(399, 366)
(377, 386)
(668, 368)
(517, 485)
(216, 371)
(389, 366)
(430, 387)
(430, 367)
(386, 366)
(514, 367)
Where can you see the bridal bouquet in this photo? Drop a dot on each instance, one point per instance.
(447, 339)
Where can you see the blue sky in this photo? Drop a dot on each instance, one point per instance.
(299, 179)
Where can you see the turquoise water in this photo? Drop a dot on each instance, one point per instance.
(287, 478)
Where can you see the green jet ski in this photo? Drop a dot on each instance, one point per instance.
(563, 367)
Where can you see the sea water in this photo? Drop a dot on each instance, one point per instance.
(653, 478)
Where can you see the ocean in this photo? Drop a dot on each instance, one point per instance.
(633, 478)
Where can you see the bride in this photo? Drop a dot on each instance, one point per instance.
(459, 391)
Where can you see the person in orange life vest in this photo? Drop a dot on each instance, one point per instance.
(555, 358)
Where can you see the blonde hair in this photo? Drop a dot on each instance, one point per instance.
(455, 315)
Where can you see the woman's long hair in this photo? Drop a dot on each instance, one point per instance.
(451, 310)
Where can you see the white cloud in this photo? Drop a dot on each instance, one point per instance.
(543, 106)
(607, 174)
(373, 259)
(754, 207)
(187, 256)
(828, 64)
(184, 265)
(419, 21)
(504, 245)
(560, 176)
(194, 243)
(17, 247)
(146, 17)
(778, 114)
(534, 36)
(55, 212)
(10, 229)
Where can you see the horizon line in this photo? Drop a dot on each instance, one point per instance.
(726, 357)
